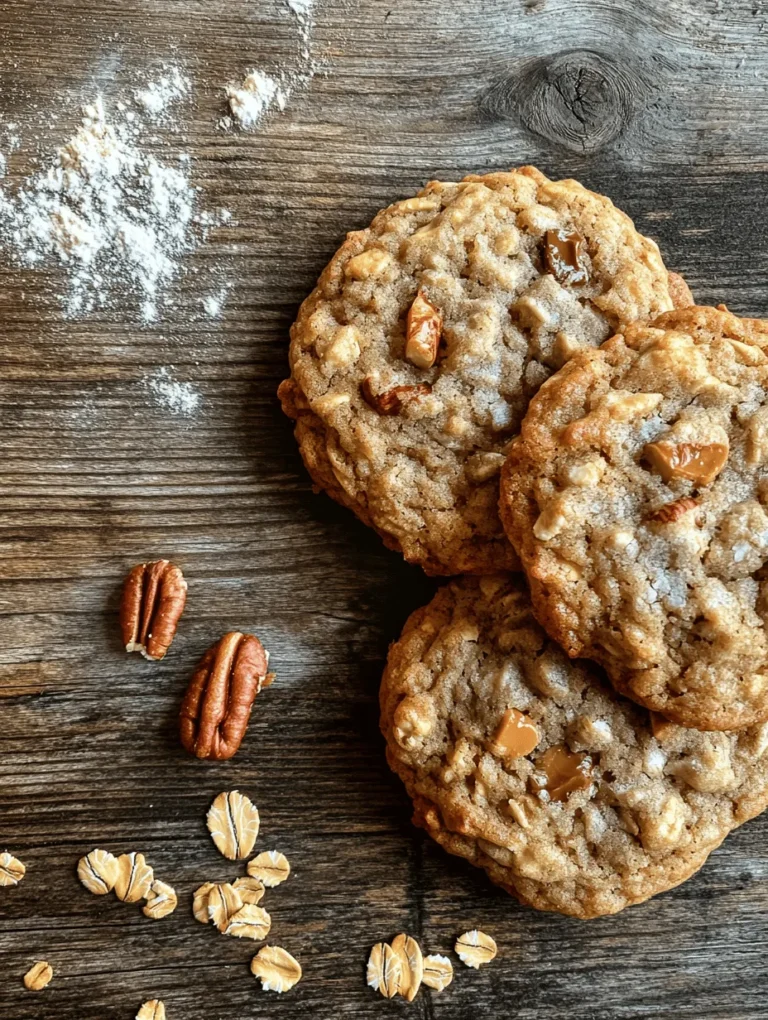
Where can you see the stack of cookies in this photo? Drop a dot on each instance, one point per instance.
(503, 379)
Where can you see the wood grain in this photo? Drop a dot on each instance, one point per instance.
(658, 103)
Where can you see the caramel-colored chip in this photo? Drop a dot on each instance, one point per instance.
(277, 970)
(700, 463)
(565, 772)
(411, 965)
(152, 1010)
(251, 889)
(11, 869)
(423, 329)
(233, 823)
(438, 972)
(516, 735)
(161, 900)
(384, 970)
(223, 902)
(200, 902)
(134, 878)
(249, 922)
(98, 872)
(38, 977)
(271, 867)
(563, 253)
(474, 948)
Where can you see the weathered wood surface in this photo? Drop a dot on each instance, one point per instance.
(661, 104)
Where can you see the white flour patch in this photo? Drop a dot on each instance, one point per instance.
(177, 397)
(214, 303)
(158, 95)
(251, 100)
(301, 7)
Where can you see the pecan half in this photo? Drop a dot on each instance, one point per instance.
(154, 595)
(424, 327)
(392, 401)
(217, 706)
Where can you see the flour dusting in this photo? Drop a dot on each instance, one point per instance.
(214, 303)
(158, 95)
(177, 397)
(251, 100)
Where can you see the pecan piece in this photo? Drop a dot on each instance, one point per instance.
(424, 328)
(154, 595)
(217, 706)
(392, 401)
(674, 511)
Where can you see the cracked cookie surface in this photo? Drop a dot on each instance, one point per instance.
(413, 360)
(532, 767)
(637, 497)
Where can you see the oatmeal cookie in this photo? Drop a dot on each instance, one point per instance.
(413, 360)
(637, 497)
(534, 768)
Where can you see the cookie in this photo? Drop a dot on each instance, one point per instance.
(637, 497)
(533, 767)
(413, 360)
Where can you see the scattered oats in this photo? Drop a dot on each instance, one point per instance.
(384, 970)
(178, 397)
(249, 922)
(223, 901)
(475, 948)
(152, 1010)
(98, 872)
(438, 972)
(277, 970)
(161, 900)
(411, 965)
(271, 867)
(200, 902)
(134, 878)
(251, 100)
(233, 822)
(38, 977)
(11, 869)
(251, 889)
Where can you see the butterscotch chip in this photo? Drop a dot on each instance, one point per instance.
(38, 977)
(233, 822)
(134, 878)
(474, 948)
(224, 901)
(98, 872)
(564, 772)
(277, 970)
(438, 972)
(11, 870)
(152, 1010)
(161, 900)
(511, 274)
(516, 734)
(200, 902)
(251, 890)
(411, 965)
(384, 970)
(249, 922)
(270, 867)
(677, 614)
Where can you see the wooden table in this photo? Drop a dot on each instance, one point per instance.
(661, 104)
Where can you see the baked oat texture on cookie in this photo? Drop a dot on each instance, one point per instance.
(413, 360)
(532, 767)
(637, 498)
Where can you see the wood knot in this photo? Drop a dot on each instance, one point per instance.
(578, 99)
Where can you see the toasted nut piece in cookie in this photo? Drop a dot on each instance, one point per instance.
(152, 1010)
(368, 263)
(200, 902)
(251, 889)
(671, 512)
(11, 869)
(474, 948)
(134, 878)
(384, 970)
(411, 965)
(224, 901)
(392, 401)
(98, 872)
(277, 970)
(424, 327)
(233, 822)
(154, 596)
(249, 922)
(661, 727)
(161, 900)
(564, 772)
(271, 867)
(699, 463)
(515, 736)
(217, 707)
(438, 972)
(38, 977)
